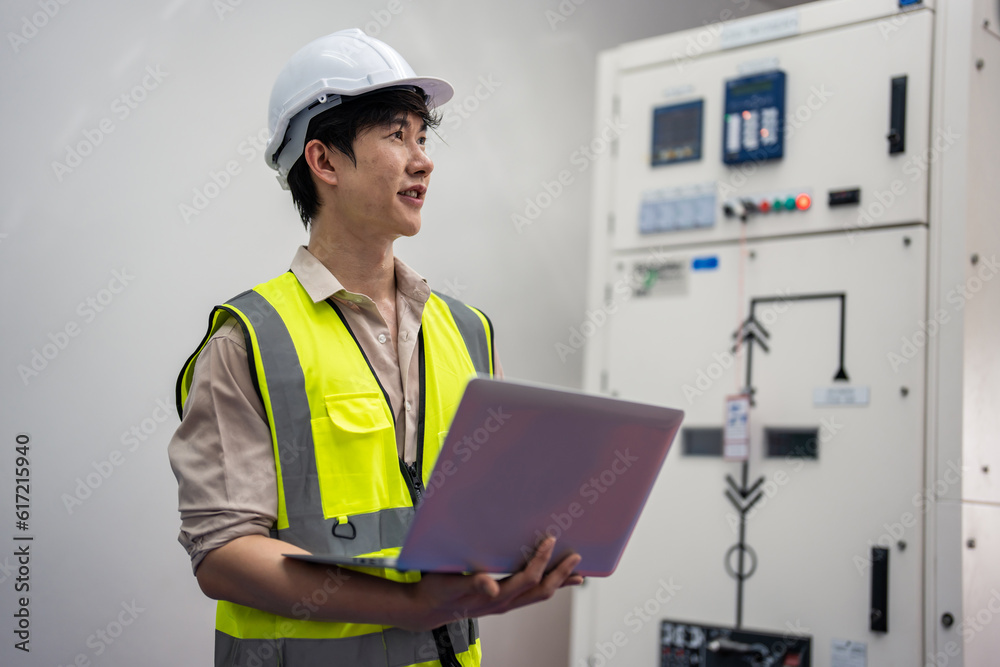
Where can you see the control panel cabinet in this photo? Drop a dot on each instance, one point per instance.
(773, 238)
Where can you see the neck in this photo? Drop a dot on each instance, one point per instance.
(362, 265)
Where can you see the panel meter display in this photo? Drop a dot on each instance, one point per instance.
(754, 118)
(677, 133)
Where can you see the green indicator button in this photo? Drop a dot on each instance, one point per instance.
(778, 204)
(790, 203)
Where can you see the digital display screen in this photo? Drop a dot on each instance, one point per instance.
(753, 120)
(677, 133)
(764, 86)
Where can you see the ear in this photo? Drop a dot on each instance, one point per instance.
(320, 159)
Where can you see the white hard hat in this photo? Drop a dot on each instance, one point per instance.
(348, 62)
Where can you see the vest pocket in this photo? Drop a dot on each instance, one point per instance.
(354, 442)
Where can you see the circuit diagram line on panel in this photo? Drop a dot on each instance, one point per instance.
(752, 331)
(741, 548)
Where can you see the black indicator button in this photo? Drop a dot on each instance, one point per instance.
(842, 197)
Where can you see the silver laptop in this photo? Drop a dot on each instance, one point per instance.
(521, 461)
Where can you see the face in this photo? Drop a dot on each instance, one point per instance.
(382, 196)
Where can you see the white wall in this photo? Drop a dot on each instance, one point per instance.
(108, 227)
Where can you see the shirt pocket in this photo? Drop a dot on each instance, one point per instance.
(354, 443)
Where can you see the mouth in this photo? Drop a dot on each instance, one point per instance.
(415, 192)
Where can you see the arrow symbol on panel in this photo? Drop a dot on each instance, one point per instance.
(751, 331)
(741, 504)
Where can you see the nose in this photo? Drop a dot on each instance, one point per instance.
(420, 161)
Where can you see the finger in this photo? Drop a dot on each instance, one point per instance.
(564, 569)
(554, 579)
(486, 585)
(552, 582)
(531, 575)
(559, 575)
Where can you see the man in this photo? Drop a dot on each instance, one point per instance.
(314, 408)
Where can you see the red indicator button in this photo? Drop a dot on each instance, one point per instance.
(803, 202)
(764, 206)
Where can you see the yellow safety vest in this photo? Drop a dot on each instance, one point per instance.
(342, 488)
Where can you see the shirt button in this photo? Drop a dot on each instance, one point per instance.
(381, 338)
(406, 335)
(409, 406)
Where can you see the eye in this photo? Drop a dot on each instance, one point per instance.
(398, 134)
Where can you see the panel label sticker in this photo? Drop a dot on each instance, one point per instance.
(736, 436)
(846, 653)
(840, 395)
(772, 25)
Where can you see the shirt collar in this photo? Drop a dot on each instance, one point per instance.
(320, 284)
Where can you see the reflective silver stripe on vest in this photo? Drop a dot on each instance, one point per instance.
(391, 648)
(292, 424)
(373, 532)
(473, 333)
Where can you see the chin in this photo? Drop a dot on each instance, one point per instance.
(411, 229)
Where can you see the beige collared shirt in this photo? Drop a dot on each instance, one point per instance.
(221, 453)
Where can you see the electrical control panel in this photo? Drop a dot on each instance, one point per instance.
(684, 644)
(762, 231)
(754, 128)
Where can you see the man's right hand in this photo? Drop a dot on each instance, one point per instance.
(443, 598)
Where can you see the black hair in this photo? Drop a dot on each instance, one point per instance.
(338, 127)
